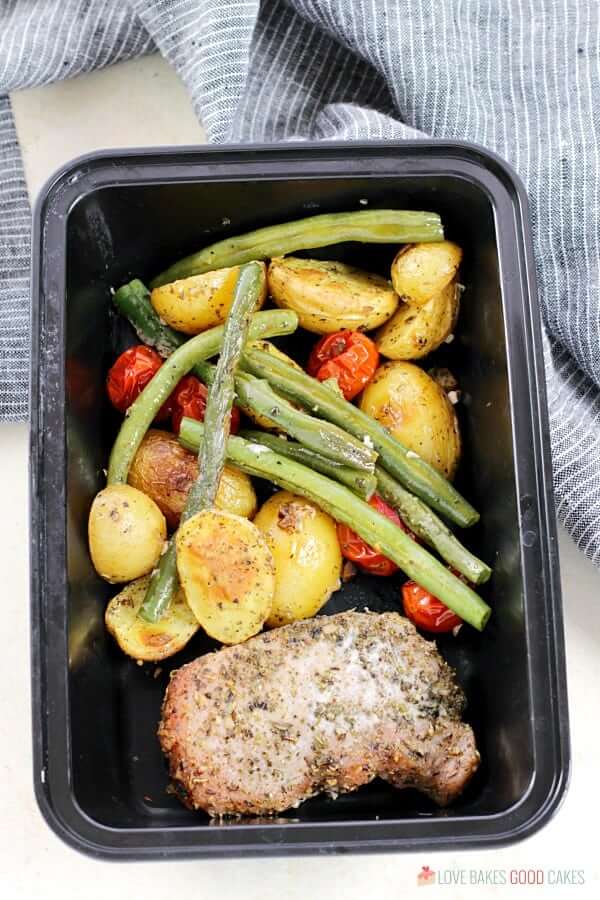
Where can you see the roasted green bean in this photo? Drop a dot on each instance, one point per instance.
(370, 226)
(346, 507)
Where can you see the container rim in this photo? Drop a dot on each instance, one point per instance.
(72, 171)
(106, 168)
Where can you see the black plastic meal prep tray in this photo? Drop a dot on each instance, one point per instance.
(100, 779)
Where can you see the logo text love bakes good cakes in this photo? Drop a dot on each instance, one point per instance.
(494, 877)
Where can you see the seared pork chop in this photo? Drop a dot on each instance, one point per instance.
(325, 704)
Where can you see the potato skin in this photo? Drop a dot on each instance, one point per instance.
(148, 641)
(194, 304)
(165, 471)
(126, 531)
(307, 556)
(329, 296)
(421, 271)
(405, 400)
(227, 573)
(415, 331)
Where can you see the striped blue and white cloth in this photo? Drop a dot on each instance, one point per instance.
(519, 76)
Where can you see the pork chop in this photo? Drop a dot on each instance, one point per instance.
(325, 704)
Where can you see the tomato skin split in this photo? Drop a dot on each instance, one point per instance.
(348, 356)
(130, 374)
(426, 611)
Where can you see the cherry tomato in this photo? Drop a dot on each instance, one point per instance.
(357, 551)
(426, 611)
(129, 376)
(348, 356)
(189, 399)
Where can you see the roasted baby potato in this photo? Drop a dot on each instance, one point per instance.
(306, 551)
(165, 471)
(422, 271)
(193, 305)
(227, 573)
(406, 401)
(126, 531)
(415, 331)
(143, 640)
(330, 296)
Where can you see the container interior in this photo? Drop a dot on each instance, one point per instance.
(118, 774)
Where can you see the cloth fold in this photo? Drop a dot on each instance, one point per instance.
(518, 76)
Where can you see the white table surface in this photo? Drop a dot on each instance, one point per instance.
(142, 103)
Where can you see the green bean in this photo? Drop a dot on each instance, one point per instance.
(376, 226)
(133, 301)
(211, 458)
(163, 586)
(322, 437)
(344, 506)
(142, 412)
(417, 515)
(430, 528)
(405, 465)
(222, 391)
(362, 483)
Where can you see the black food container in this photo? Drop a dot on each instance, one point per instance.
(99, 776)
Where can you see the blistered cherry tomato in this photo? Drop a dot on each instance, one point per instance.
(426, 611)
(357, 551)
(129, 376)
(189, 400)
(348, 356)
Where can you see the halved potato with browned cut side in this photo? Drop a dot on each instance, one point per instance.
(331, 296)
(227, 572)
(416, 331)
(421, 271)
(194, 304)
(149, 641)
